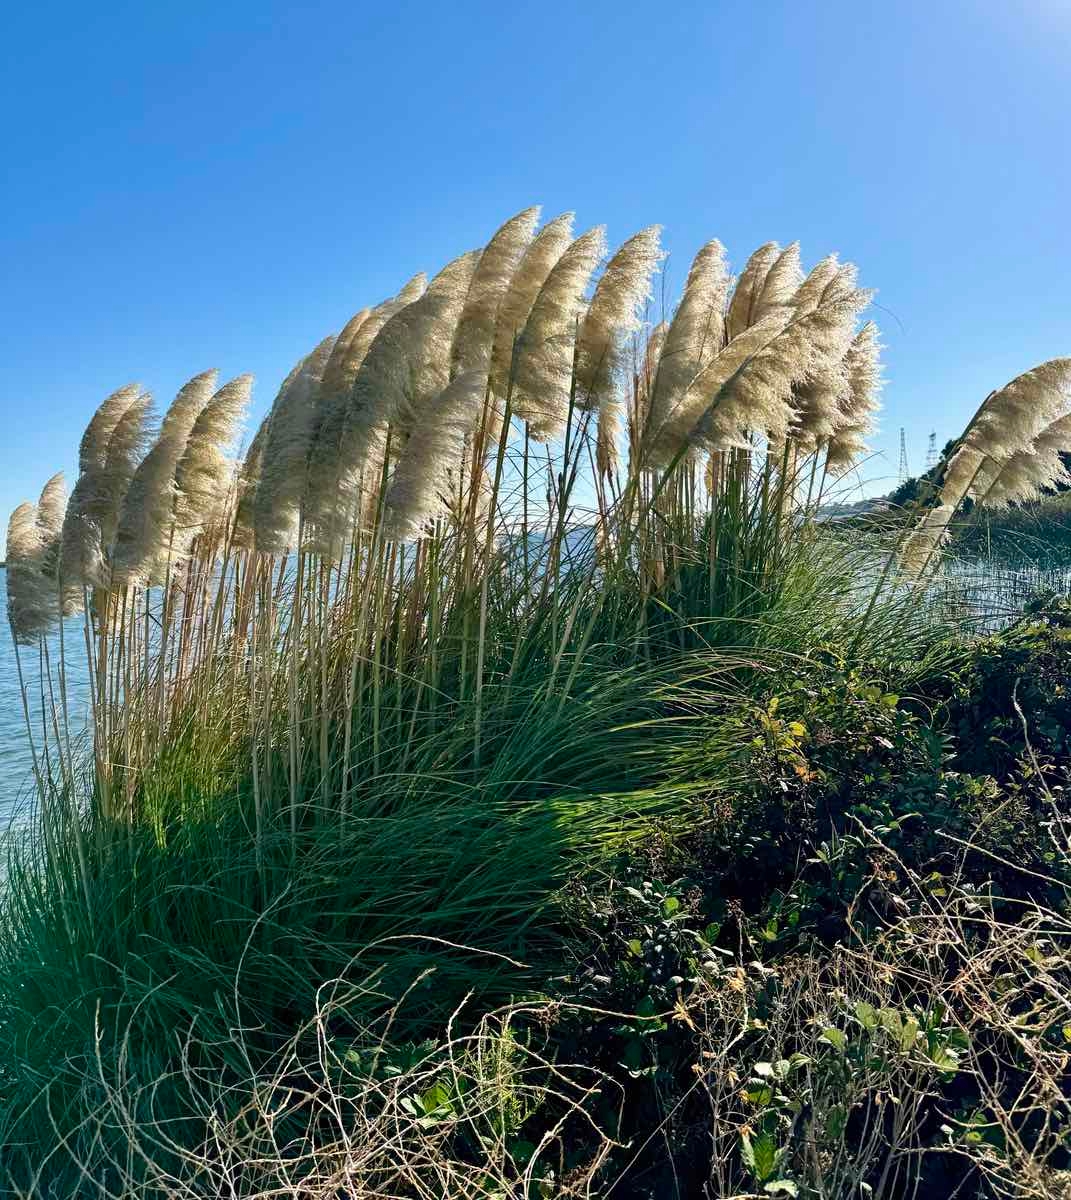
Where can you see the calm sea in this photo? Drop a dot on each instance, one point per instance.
(16, 760)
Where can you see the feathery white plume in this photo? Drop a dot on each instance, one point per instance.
(1013, 416)
(51, 509)
(32, 600)
(287, 440)
(144, 534)
(516, 307)
(602, 348)
(747, 294)
(94, 445)
(1009, 421)
(781, 283)
(52, 506)
(1027, 473)
(863, 367)
(691, 420)
(407, 363)
(545, 352)
(474, 339)
(92, 514)
(421, 480)
(329, 500)
(695, 335)
(248, 478)
(612, 315)
(811, 292)
(204, 476)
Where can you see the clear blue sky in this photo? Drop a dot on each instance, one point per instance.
(220, 184)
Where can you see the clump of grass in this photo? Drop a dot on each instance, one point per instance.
(452, 628)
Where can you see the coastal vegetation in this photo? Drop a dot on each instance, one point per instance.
(501, 782)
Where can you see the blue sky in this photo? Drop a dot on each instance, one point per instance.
(193, 185)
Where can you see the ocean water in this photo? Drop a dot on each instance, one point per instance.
(16, 758)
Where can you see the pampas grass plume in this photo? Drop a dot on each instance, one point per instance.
(474, 339)
(536, 264)
(31, 597)
(145, 529)
(545, 353)
(422, 476)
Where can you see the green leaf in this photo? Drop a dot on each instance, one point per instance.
(867, 1015)
(764, 1156)
(436, 1100)
(670, 906)
(836, 1038)
(944, 1059)
(909, 1034)
(636, 947)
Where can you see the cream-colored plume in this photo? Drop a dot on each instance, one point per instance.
(328, 502)
(407, 363)
(781, 283)
(1015, 415)
(700, 418)
(1008, 422)
(144, 536)
(92, 515)
(537, 263)
(863, 367)
(695, 335)
(1026, 474)
(545, 352)
(474, 339)
(340, 369)
(205, 475)
(420, 485)
(248, 478)
(284, 458)
(828, 317)
(602, 346)
(32, 599)
(747, 294)
(94, 445)
(812, 291)
(623, 287)
(648, 373)
(51, 509)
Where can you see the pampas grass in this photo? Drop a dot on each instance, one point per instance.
(474, 337)
(860, 404)
(602, 350)
(284, 459)
(31, 598)
(420, 485)
(545, 355)
(744, 307)
(204, 476)
(145, 530)
(536, 264)
(423, 631)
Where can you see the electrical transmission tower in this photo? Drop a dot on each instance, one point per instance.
(902, 473)
(931, 452)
